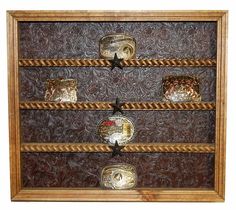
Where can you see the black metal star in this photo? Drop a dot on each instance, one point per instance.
(116, 62)
(117, 107)
(116, 149)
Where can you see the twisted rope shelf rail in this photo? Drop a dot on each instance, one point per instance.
(107, 106)
(126, 63)
(88, 147)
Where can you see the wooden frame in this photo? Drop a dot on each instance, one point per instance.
(21, 194)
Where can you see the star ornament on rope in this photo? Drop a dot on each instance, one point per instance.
(117, 107)
(116, 149)
(116, 62)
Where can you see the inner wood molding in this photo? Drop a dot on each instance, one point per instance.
(126, 106)
(175, 62)
(91, 147)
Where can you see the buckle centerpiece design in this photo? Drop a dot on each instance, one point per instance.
(119, 176)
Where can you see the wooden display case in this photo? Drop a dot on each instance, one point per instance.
(178, 149)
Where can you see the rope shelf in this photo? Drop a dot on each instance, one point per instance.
(125, 63)
(126, 106)
(148, 148)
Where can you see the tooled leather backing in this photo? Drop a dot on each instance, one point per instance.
(83, 169)
(80, 40)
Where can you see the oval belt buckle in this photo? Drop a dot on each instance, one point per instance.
(116, 128)
(123, 45)
(119, 176)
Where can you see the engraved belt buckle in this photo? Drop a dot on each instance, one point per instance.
(61, 90)
(181, 89)
(123, 45)
(119, 176)
(116, 128)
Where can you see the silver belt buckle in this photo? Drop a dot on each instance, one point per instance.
(123, 45)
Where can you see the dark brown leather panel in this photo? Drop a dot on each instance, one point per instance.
(154, 39)
(150, 126)
(83, 169)
(80, 40)
(101, 84)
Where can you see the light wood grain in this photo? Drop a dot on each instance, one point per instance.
(13, 100)
(117, 15)
(221, 105)
(155, 194)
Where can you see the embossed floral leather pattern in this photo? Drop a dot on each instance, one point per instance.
(81, 40)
